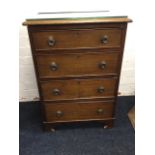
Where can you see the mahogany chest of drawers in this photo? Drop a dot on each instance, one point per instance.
(77, 64)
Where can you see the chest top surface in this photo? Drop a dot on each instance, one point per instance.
(76, 17)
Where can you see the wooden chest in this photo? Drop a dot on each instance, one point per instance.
(78, 63)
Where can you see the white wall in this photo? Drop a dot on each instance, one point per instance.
(28, 88)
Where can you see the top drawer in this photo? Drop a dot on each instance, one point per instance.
(71, 39)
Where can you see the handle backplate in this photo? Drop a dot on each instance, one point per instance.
(100, 89)
(104, 39)
(53, 66)
(51, 41)
(59, 113)
(56, 92)
(100, 111)
(102, 65)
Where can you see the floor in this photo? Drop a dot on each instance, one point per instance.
(79, 139)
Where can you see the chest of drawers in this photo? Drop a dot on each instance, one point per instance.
(77, 64)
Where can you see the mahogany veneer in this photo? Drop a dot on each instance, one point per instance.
(77, 64)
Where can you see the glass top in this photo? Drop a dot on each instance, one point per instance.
(76, 15)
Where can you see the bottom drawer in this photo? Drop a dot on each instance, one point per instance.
(60, 112)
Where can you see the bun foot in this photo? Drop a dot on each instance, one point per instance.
(108, 124)
(105, 126)
(52, 130)
(49, 127)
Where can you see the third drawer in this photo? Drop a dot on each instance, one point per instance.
(78, 88)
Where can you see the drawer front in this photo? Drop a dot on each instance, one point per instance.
(71, 65)
(85, 38)
(74, 89)
(78, 111)
(97, 88)
(59, 89)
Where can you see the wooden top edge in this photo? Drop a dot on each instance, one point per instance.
(76, 21)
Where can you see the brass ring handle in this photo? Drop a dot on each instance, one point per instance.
(100, 90)
(59, 113)
(102, 65)
(53, 66)
(104, 39)
(51, 41)
(100, 111)
(56, 92)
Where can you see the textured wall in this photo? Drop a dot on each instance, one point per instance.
(27, 81)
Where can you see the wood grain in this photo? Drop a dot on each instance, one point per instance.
(78, 64)
(77, 38)
(77, 21)
(78, 88)
(78, 111)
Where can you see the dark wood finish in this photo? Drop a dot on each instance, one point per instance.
(66, 56)
(77, 38)
(78, 64)
(82, 88)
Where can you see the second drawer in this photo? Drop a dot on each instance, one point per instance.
(78, 88)
(71, 65)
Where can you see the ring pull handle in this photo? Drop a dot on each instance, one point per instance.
(51, 41)
(53, 66)
(100, 90)
(59, 113)
(102, 65)
(56, 92)
(100, 111)
(104, 39)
